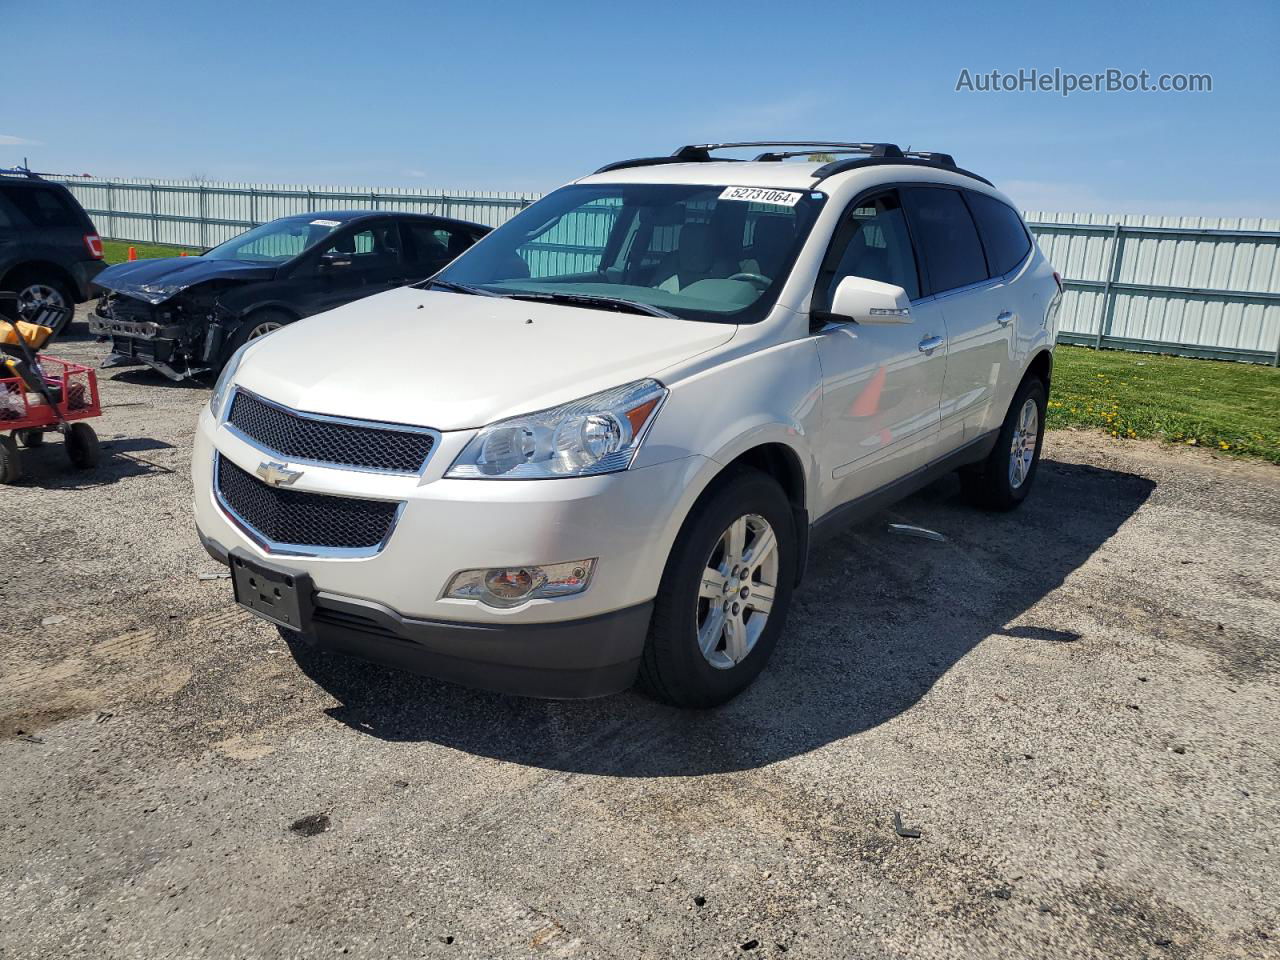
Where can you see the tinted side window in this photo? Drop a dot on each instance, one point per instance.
(371, 246)
(44, 207)
(946, 236)
(433, 246)
(1003, 235)
(872, 242)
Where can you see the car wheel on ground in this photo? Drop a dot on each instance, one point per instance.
(82, 446)
(724, 594)
(260, 323)
(31, 438)
(1004, 479)
(36, 291)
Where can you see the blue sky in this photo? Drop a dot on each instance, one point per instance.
(524, 96)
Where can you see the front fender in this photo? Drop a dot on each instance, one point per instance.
(767, 396)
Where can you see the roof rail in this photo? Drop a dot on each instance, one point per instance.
(938, 161)
(19, 172)
(943, 159)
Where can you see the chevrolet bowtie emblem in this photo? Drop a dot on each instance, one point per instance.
(277, 474)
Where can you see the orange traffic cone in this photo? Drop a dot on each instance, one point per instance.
(133, 253)
(182, 253)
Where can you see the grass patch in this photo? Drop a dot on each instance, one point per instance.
(117, 251)
(1227, 407)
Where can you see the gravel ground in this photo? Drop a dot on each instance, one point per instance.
(1077, 705)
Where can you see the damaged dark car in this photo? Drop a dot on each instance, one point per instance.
(185, 316)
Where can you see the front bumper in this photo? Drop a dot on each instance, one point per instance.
(566, 660)
(390, 606)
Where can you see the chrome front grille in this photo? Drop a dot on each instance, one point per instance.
(284, 518)
(327, 440)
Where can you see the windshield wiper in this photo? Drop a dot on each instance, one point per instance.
(599, 302)
(460, 288)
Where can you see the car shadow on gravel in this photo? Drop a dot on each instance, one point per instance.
(879, 619)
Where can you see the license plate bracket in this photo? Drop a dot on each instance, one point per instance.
(274, 593)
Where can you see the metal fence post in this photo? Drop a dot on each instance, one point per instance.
(1108, 295)
(253, 206)
(311, 201)
(111, 211)
(204, 218)
(155, 222)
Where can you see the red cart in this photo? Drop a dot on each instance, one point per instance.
(39, 395)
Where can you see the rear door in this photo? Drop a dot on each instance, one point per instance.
(956, 274)
(881, 383)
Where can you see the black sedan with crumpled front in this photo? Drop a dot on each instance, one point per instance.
(186, 315)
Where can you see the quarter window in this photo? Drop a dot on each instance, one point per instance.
(872, 242)
(44, 207)
(946, 236)
(1002, 232)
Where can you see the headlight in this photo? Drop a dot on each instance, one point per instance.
(223, 385)
(597, 434)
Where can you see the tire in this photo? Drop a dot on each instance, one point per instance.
(82, 446)
(34, 288)
(257, 324)
(998, 483)
(674, 667)
(10, 460)
(30, 438)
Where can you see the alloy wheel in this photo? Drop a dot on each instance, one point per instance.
(1023, 449)
(262, 329)
(737, 591)
(36, 295)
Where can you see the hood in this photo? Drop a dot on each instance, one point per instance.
(157, 280)
(454, 361)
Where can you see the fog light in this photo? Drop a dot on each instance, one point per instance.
(511, 586)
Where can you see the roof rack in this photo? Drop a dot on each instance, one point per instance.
(19, 172)
(870, 154)
(701, 152)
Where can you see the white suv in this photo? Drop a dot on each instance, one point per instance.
(599, 444)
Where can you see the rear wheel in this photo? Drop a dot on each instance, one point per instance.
(10, 460)
(724, 594)
(82, 446)
(1004, 479)
(31, 438)
(36, 291)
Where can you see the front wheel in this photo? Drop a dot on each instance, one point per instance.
(1004, 479)
(258, 324)
(724, 595)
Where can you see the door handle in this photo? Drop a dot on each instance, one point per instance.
(930, 344)
(1004, 318)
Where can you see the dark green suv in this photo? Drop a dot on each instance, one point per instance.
(50, 250)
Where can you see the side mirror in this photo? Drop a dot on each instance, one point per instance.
(869, 301)
(333, 259)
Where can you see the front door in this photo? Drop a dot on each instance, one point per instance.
(355, 262)
(881, 383)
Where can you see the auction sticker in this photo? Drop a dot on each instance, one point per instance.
(779, 198)
(326, 223)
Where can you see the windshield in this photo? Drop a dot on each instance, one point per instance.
(275, 242)
(698, 252)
